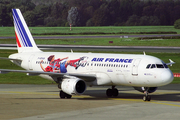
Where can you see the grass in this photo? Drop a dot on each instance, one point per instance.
(104, 42)
(22, 78)
(9, 31)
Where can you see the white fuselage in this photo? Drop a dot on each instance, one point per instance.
(110, 69)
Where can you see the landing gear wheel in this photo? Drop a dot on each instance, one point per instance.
(112, 92)
(146, 98)
(115, 92)
(109, 92)
(68, 96)
(63, 95)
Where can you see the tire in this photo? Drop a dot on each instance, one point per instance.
(148, 98)
(115, 92)
(109, 92)
(144, 98)
(68, 96)
(62, 95)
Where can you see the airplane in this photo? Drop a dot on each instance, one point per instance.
(74, 72)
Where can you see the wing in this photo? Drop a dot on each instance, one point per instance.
(85, 77)
(3, 58)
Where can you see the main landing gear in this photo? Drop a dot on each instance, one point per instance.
(63, 95)
(112, 92)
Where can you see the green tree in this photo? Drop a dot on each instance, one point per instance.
(101, 16)
(177, 24)
(133, 20)
(41, 12)
(4, 16)
(30, 18)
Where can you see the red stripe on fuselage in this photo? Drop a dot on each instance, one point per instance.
(17, 40)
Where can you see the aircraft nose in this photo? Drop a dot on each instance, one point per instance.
(167, 77)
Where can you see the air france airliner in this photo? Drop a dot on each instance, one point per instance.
(73, 72)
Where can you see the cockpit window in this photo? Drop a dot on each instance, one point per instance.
(148, 66)
(160, 65)
(153, 66)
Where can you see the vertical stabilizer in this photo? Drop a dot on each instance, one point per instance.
(24, 39)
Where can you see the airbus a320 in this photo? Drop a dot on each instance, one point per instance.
(73, 72)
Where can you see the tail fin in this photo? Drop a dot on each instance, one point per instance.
(24, 39)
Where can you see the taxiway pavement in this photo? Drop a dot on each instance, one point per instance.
(27, 102)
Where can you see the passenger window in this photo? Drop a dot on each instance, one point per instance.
(153, 66)
(148, 66)
(159, 65)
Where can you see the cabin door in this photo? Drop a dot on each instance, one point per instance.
(135, 67)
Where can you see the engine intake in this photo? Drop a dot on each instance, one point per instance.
(73, 86)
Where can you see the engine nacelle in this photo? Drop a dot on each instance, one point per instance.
(142, 89)
(73, 86)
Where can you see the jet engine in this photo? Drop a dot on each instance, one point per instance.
(73, 86)
(142, 89)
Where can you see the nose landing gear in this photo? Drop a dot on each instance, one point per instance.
(146, 97)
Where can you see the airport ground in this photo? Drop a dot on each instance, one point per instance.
(27, 102)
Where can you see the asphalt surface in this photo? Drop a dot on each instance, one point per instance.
(27, 102)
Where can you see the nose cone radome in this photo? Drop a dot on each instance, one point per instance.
(167, 77)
